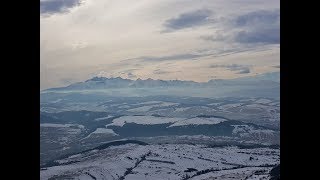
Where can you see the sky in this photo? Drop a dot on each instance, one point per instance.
(194, 40)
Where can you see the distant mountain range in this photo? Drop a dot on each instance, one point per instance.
(267, 79)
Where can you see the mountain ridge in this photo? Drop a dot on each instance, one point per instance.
(96, 82)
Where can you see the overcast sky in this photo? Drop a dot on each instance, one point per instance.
(161, 39)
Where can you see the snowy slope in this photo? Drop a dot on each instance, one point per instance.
(170, 161)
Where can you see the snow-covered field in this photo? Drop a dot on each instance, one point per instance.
(263, 101)
(264, 111)
(197, 121)
(238, 129)
(74, 123)
(163, 120)
(228, 106)
(102, 131)
(142, 120)
(248, 173)
(181, 109)
(192, 133)
(103, 118)
(167, 161)
(148, 107)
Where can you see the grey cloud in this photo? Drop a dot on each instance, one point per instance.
(244, 71)
(258, 27)
(140, 61)
(129, 70)
(251, 28)
(172, 57)
(189, 19)
(57, 6)
(267, 36)
(229, 66)
(215, 37)
(159, 71)
(261, 17)
(233, 67)
(190, 56)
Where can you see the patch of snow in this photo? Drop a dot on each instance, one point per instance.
(103, 118)
(261, 106)
(142, 120)
(60, 125)
(228, 106)
(238, 129)
(65, 148)
(141, 109)
(56, 101)
(124, 106)
(181, 109)
(241, 173)
(263, 101)
(198, 121)
(147, 108)
(104, 131)
(101, 131)
(165, 104)
(214, 104)
(148, 102)
(274, 103)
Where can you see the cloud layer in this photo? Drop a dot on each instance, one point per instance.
(188, 19)
(57, 6)
(241, 69)
(262, 26)
(167, 39)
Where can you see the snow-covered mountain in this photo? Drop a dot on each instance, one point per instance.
(118, 82)
(268, 79)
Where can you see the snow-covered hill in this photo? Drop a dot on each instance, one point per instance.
(167, 161)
